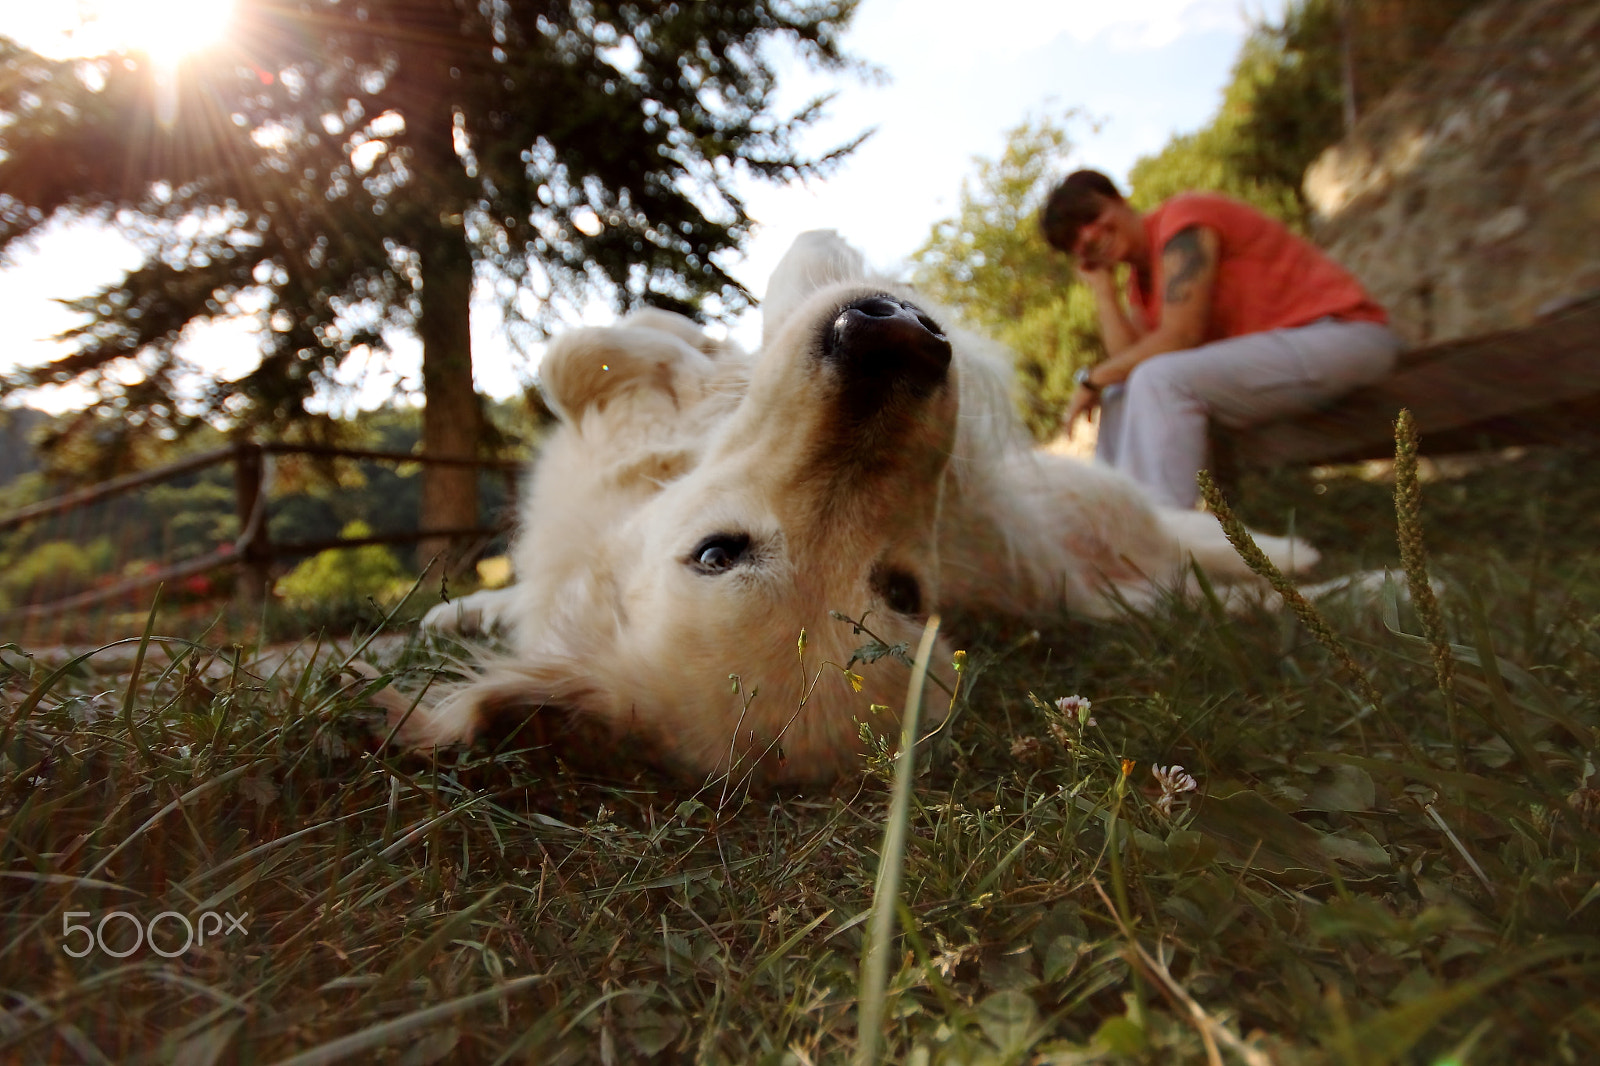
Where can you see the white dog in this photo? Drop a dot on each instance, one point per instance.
(699, 509)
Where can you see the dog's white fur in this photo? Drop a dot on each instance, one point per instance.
(667, 437)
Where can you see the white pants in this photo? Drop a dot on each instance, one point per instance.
(1153, 425)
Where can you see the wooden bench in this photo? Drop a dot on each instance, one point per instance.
(1539, 384)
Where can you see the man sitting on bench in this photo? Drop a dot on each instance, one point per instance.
(1236, 320)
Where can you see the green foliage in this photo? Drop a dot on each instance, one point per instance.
(52, 570)
(1285, 101)
(988, 261)
(139, 530)
(990, 264)
(314, 497)
(22, 490)
(1205, 161)
(194, 515)
(1280, 109)
(346, 575)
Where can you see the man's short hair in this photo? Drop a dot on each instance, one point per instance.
(1073, 204)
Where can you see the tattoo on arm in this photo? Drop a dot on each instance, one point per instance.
(1184, 259)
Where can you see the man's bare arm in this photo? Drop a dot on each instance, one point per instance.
(1189, 265)
(1117, 329)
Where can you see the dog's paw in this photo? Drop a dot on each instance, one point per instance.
(1362, 585)
(457, 616)
(412, 722)
(479, 612)
(1368, 586)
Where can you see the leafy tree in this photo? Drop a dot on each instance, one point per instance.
(990, 265)
(1290, 96)
(352, 166)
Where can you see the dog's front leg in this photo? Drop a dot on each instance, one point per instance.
(484, 611)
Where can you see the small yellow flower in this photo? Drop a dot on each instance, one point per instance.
(854, 679)
(1127, 767)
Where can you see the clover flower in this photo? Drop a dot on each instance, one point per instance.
(1076, 707)
(1174, 780)
(1028, 749)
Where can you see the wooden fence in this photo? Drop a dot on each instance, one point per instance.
(253, 552)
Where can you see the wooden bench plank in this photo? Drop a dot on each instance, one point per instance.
(1537, 384)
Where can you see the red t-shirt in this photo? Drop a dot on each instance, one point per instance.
(1267, 278)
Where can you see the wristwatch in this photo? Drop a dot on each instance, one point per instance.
(1080, 376)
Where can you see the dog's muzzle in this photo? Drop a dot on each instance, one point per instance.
(882, 339)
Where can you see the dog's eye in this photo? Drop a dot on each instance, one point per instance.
(719, 552)
(899, 590)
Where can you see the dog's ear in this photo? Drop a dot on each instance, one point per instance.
(685, 329)
(589, 367)
(817, 258)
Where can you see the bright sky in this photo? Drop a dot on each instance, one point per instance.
(1141, 69)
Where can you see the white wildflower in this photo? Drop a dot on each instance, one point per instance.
(1076, 707)
(1173, 781)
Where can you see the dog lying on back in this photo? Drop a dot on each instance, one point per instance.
(698, 509)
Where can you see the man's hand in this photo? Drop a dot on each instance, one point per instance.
(1083, 401)
(1099, 278)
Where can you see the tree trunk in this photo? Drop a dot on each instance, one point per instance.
(452, 420)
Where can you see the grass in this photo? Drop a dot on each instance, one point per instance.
(1353, 881)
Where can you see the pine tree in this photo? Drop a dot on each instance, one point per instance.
(347, 167)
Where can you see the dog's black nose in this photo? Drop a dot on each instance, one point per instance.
(884, 337)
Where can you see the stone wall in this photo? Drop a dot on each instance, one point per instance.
(1468, 200)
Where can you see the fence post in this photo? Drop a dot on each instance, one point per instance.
(255, 546)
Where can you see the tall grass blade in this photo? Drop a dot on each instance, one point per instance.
(417, 959)
(1461, 849)
(131, 696)
(385, 1033)
(886, 891)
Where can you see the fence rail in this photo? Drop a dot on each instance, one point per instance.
(253, 550)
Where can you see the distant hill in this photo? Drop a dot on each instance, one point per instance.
(17, 428)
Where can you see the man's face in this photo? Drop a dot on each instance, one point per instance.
(1101, 243)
